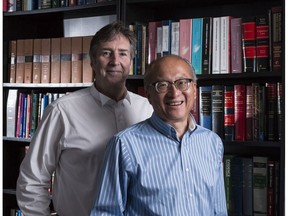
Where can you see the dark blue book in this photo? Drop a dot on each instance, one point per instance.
(205, 106)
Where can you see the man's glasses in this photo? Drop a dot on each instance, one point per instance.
(180, 84)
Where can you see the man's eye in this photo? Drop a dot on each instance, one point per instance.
(123, 54)
(106, 53)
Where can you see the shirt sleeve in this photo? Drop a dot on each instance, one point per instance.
(38, 165)
(220, 198)
(111, 192)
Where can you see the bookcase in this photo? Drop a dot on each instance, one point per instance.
(48, 23)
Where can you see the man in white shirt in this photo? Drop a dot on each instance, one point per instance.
(73, 133)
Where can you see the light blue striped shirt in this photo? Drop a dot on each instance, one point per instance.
(149, 171)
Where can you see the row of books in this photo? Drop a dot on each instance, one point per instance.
(251, 185)
(241, 112)
(214, 45)
(25, 110)
(28, 5)
(50, 60)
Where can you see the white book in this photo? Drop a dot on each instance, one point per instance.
(11, 113)
(175, 38)
(216, 46)
(225, 44)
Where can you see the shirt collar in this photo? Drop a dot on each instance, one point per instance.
(167, 129)
(103, 99)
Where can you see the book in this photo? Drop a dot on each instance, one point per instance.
(225, 32)
(34, 112)
(237, 185)
(197, 33)
(11, 112)
(276, 25)
(279, 110)
(152, 41)
(12, 60)
(55, 60)
(45, 60)
(175, 37)
(205, 106)
(159, 36)
(262, 113)
(260, 185)
(76, 61)
(249, 44)
(86, 67)
(216, 45)
(166, 37)
(207, 45)
(249, 113)
(256, 112)
(28, 65)
(20, 61)
(270, 188)
(37, 52)
(236, 45)
(247, 185)
(229, 118)
(227, 160)
(65, 58)
(262, 43)
(271, 111)
(217, 103)
(239, 111)
(195, 109)
(185, 38)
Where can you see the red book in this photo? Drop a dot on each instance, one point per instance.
(229, 117)
(262, 43)
(240, 110)
(152, 41)
(249, 44)
(195, 110)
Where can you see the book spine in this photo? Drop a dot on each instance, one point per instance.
(256, 112)
(217, 110)
(279, 110)
(236, 45)
(36, 74)
(45, 60)
(271, 111)
(175, 38)
(260, 185)
(20, 60)
(270, 188)
(216, 46)
(76, 60)
(87, 70)
(55, 60)
(12, 60)
(247, 186)
(240, 109)
(277, 21)
(229, 117)
(262, 43)
(152, 41)
(65, 58)
(225, 30)
(205, 106)
(166, 37)
(11, 113)
(28, 65)
(249, 113)
(207, 45)
(185, 39)
(249, 44)
(196, 55)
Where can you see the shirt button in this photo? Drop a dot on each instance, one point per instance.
(187, 169)
(190, 195)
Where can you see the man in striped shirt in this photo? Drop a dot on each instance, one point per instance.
(167, 164)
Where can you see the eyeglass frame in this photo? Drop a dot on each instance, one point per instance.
(155, 85)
